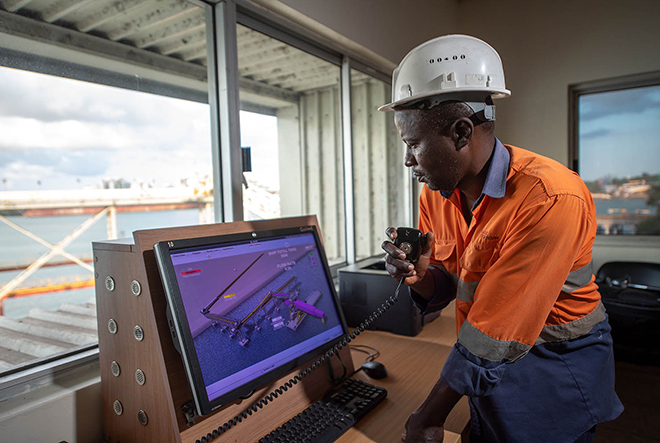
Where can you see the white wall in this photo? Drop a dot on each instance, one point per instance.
(389, 28)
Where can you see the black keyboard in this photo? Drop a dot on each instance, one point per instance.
(327, 419)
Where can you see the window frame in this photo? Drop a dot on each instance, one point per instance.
(595, 86)
(576, 90)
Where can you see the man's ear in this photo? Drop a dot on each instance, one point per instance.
(461, 132)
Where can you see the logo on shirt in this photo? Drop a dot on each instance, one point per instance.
(486, 236)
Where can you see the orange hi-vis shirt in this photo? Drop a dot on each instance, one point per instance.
(523, 267)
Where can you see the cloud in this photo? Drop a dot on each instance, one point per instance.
(77, 163)
(626, 101)
(57, 130)
(595, 134)
(49, 99)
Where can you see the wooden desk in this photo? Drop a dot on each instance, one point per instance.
(413, 366)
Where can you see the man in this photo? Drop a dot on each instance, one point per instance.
(509, 237)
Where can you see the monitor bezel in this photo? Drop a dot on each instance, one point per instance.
(163, 250)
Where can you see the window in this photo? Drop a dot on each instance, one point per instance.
(617, 151)
(380, 184)
(128, 148)
(297, 168)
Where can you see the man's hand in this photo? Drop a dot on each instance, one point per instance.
(418, 430)
(398, 267)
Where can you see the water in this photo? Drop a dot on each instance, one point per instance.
(631, 205)
(18, 249)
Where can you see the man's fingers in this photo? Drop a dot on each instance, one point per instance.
(392, 250)
(391, 232)
(398, 272)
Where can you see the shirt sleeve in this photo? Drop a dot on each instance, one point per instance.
(441, 297)
(470, 375)
(445, 283)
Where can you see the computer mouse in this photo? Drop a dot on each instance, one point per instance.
(374, 369)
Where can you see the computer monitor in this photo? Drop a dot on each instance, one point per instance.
(247, 308)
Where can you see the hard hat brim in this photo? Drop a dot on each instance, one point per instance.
(452, 95)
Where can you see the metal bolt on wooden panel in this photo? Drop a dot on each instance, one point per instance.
(109, 283)
(140, 377)
(136, 288)
(115, 369)
(118, 407)
(138, 333)
(112, 326)
(142, 417)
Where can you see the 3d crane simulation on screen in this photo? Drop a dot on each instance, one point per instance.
(298, 309)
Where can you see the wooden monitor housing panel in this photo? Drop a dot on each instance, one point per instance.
(143, 382)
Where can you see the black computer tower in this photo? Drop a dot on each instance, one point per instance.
(365, 286)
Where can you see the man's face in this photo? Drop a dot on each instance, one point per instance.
(430, 153)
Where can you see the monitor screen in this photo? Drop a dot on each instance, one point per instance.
(247, 308)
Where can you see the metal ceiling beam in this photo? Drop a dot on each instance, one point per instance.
(252, 39)
(55, 35)
(295, 69)
(252, 36)
(193, 53)
(14, 5)
(151, 18)
(317, 86)
(106, 14)
(268, 90)
(59, 9)
(172, 31)
(242, 30)
(196, 38)
(307, 82)
(263, 60)
(285, 65)
(265, 45)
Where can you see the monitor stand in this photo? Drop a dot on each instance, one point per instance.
(145, 392)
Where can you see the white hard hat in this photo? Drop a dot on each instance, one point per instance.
(451, 67)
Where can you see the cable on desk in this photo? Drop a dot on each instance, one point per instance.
(370, 357)
(302, 374)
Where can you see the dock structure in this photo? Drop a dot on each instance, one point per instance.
(47, 203)
(98, 204)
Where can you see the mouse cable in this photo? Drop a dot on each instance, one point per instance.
(371, 356)
(387, 304)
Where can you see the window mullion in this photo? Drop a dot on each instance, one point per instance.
(228, 185)
(348, 159)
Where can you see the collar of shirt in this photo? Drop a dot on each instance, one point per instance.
(495, 184)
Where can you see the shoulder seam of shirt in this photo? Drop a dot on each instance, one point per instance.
(549, 194)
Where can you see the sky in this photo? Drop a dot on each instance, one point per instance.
(620, 133)
(58, 133)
